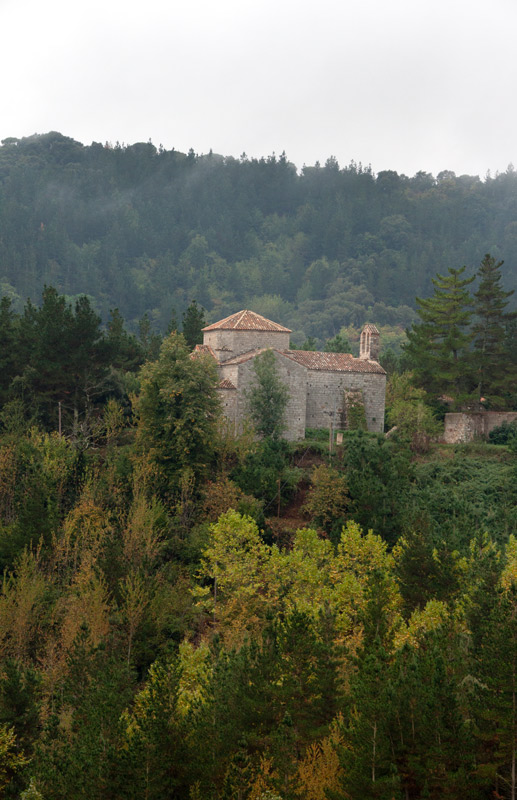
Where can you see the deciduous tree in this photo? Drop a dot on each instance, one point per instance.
(267, 398)
(178, 412)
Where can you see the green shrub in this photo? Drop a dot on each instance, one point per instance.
(503, 433)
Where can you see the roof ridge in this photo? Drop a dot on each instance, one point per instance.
(247, 320)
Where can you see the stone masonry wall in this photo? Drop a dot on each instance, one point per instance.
(228, 398)
(237, 342)
(465, 427)
(325, 393)
(292, 374)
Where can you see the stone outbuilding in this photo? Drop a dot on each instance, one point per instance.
(322, 386)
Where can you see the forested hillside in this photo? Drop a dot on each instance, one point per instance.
(191, 614)
(148, 230)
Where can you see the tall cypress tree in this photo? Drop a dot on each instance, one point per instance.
(493, 368)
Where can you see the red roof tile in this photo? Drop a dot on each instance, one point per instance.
(242, 357)
(246, 321)
(328, 362)
(333, 362)
(203, 350)
(226, 384)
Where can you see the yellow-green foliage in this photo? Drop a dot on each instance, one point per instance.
(327, 498)
(407, 410)
(253, 580)
(509, 574)
(11, 759)
(195, 670)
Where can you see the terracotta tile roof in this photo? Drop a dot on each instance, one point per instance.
(226, 384)
(328, 362)
(333, 362)
(369, 328)
(246, 321)
(203, 350)
(240, 359)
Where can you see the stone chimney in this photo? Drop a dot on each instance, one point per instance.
(370, 343)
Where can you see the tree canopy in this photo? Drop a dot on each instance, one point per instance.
(146, 230)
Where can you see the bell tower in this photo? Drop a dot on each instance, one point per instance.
(370, 344)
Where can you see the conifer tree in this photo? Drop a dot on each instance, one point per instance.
(193, 321)
(493, 369)
(368, 757)
(124, 349)
(495, 708)
(8, 347)
(439, 345)
(149, 340)
(173, 326)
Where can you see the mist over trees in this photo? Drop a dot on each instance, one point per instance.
(148, 230)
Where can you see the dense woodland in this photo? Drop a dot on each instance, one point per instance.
(147, 230)
(194, 615)
(189, 614)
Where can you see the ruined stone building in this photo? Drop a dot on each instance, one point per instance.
(322, 386)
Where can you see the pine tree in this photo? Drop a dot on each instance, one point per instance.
(149, 340)
(494, 373)
(430, 740)
(19, 703)
(66, 358)
(368, 756)
(496, 706)
(439, 345)
(8, 347)
(173, 326)
(124, 349)
(193, 321)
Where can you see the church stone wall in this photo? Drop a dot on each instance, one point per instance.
(325, 398)
(316, 382)
(228, 398)
(230, 343)
(293, 375)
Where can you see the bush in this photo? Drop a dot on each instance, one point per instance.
(260, 472)
(504, 433)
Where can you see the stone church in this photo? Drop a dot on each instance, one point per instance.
(322, 386)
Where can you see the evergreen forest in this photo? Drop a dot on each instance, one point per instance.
(148, 230)
(187, 613)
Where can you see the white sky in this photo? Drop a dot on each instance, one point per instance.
(399, 84)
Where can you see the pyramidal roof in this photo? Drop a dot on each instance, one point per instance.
(246, 321)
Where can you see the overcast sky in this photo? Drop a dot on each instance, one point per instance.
(399, 84)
